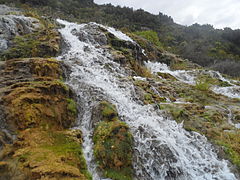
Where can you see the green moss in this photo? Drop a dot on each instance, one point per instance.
(113, 144)
(231, 143)
(62, 84)
(202, 85)
(183, 65)
(115, 175)
(166, 76)
(72, 106)
(224, 84)
(148, 97)
(199, 94)
(63, 145)
(207, 79)
(113, 149)
(178, 113)
(43, 43)
(108, 111)
(23, 157)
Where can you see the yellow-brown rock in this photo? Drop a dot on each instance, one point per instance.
(40, 108)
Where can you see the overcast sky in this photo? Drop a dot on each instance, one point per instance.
(220, 13)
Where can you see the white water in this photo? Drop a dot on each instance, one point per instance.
(230, 117)
(182, 75)
(162, 148)
(190, 77)
(117, 33)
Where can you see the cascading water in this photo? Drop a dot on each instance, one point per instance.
(190, 76)
(162, 148)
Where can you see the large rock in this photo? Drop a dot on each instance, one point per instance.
(92, 33)
(15, 25)
(39, 108)
(113, 143)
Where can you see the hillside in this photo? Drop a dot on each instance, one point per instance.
(204, 45)
(88, 101)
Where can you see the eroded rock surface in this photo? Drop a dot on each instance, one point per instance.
(39, 108)
(12, 25)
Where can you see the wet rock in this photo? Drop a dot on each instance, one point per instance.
(161, 155)
(93, 34)
(4, 10)
(104, 111)
(29, 83)
(119, 57)
(113, 143)
(14, 25)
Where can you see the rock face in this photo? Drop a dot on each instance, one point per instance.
(36, 107)
(29, 99)
(40, 108)
(5, 9)
(92, 33)
(14, 25)
(26, 36)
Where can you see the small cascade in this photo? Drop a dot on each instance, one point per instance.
(162, 148)
(190, 76)
(230, 118)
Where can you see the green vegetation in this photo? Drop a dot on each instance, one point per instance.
(150, 96)
(108, 111)
(42, 43)
(202, 85)
(201, 44)
(151, 36)
(231, 143)
(113, 144)
(113, 149)
(64, 145)
(42, 108)
(72, 106)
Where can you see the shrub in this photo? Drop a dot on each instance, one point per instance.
(151, 36)
(202, 85)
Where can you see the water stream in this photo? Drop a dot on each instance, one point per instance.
(162, 148)
(190, 77)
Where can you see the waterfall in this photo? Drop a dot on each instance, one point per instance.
(162, 148)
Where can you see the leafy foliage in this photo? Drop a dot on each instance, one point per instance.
(151, 36)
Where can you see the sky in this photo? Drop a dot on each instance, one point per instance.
(219, 13)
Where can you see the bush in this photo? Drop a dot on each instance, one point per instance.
(202, 85)
(151, 36)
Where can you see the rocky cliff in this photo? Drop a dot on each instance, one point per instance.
(37, 107)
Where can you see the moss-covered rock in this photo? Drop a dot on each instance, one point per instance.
(113, 144)
(148, 94)
(41, 108)
(50, 154)
(41, 99)
(43, 43)
(108, 111)
(33, 38)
